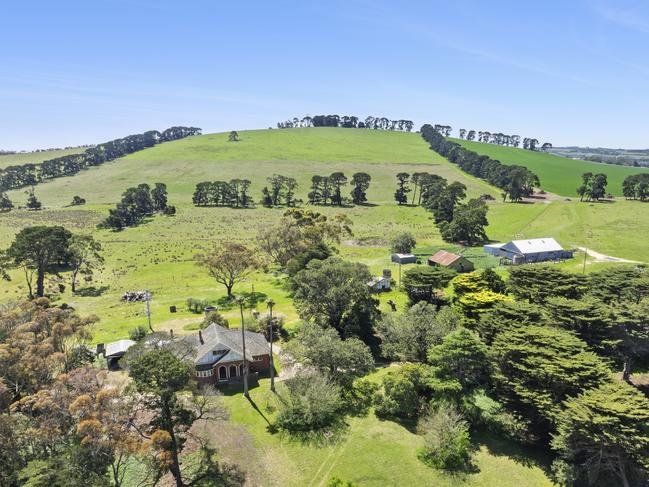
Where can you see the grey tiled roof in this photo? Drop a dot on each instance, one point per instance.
(227, 344)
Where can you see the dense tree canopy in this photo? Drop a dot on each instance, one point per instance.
(535, 368)
(335, 293)
(604, 435)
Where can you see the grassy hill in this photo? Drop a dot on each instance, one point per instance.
(35, 157)
(158, 255)
(558, 175)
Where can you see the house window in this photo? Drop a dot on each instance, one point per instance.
(233, 370)
(223, 373)
(204, 373)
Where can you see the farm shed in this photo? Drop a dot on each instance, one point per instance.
(450, 260)
(381, 283)
(404, 258)
(493, 249)
(114, 351)
(532, 250)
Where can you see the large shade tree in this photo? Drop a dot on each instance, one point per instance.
(229, 263)
(38, 250)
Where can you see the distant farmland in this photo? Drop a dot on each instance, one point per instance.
(558, 174)
(7, 160)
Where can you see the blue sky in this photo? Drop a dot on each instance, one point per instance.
(568, 72)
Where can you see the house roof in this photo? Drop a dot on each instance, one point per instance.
(118, 348)
(224, 345)
(533, 246)
(442, 257)
(494, 246)
(404, 256)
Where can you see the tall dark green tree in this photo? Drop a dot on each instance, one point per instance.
(401, 194)
(360, 183)
(337, 180)
(159, 196)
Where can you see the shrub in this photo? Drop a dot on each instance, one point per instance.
(196, 305)
(215, 317)
(337, 482)
(403, 389)
(261, 326)
(310, 402)
(78, 200)
(138, 333)
(169, 210)
(403, 243)
(360, 396)
(446, 441)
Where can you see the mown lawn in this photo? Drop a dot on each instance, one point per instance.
(558, 175)
(372, 452)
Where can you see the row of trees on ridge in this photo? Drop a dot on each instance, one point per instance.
(348, 121)
(516, 182)
(18, 176)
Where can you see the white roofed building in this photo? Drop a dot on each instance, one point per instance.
(526, 251)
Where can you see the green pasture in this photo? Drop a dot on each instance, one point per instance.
(158, 255)
(558, 175)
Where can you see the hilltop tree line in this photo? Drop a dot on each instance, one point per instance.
(136, 204)
(19, 176)
(498, 138)
(348, 121)
(516, 182)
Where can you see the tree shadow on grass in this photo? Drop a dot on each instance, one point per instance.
(91, 291)
(327, 436)
(408, 423)
(527, 455)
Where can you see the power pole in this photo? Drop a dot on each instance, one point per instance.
(148, 308)
(270, 303)
(583, 270)
(243, 342)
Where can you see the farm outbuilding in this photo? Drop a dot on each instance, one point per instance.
(114, 351)
(457, 262)
(381, 283)
(404, 258)
(529, 251)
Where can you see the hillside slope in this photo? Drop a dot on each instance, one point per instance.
(558, 175)
(298, 153)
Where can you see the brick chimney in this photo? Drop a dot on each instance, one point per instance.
(200, 337)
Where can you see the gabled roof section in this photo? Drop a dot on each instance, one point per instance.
(118, 348)
(227, 344)
(533, 246)
(442, 257)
